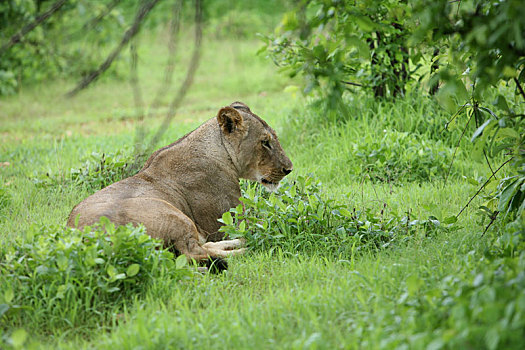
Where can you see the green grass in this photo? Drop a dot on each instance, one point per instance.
(401, 296)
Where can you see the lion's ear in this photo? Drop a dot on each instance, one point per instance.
(229, 119)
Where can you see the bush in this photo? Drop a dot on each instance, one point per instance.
(101, 170)
(297, 218)
(400, 156)
(97, 171)
(485, 307)
(64, 276)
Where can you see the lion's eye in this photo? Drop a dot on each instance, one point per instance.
(266, 143)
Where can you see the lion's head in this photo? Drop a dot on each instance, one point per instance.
(253, 146)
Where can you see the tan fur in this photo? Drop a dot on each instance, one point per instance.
(185, 187)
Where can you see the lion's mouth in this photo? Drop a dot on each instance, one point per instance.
(267, 182)
(270, 185)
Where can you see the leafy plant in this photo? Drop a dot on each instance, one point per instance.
(54, 48)
(98, 171)
(340, 44)
(485, 49)
(61, 276)
(101, 170)
(482, 308)
(400, 156)
(297, 218)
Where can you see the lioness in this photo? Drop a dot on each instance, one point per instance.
(185, 187)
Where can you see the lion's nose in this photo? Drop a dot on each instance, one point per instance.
(287, 171)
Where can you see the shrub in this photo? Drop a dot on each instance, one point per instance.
(400, 156)
(63, 276)
(101, 170)
(297, 218)
(483, 307)
(97, 171)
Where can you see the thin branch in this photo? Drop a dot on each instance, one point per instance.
(493, 218)
(351, 83)
(138, 99)
(454, 116)
(172, 47)
(519, 87)
(483, 186)
(128, 35)
(134, 80)
(488, 163)
(456, 149)
(140, 133)
(30, 26)
(190, 73)
(459, 5)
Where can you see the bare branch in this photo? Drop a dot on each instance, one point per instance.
(454, 116)
(493, 218)
(519, 87)
(456, 149)
(128, 35)
(30, 26)
(139, 101)
(483, 186)
(172, 47)
(134, 80)
(351, 83)
(190, 73)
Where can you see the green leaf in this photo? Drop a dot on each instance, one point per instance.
(364, 23)
(62, 263)
(3, 309)
(508, 132)
(450, 220)
(181, 262)
(507, 195)
(9, 295)
(492, 338)
(120, 276)
(242, 226)
(501, 103)
(227, 218)
(132, 270)
(112, 271)
(479, 130)
(18, 338)
(360, 45)
(413, 283)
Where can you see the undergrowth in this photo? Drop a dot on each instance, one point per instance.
(65, 277)
(298, 218)
(477, 308)
(405, 141)
(97, 171)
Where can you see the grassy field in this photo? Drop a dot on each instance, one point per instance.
(390, 158)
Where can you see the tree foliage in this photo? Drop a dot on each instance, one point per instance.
(72, 41)
(466, 52)
(337, 44)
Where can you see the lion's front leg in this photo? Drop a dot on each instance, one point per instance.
(227, 245)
